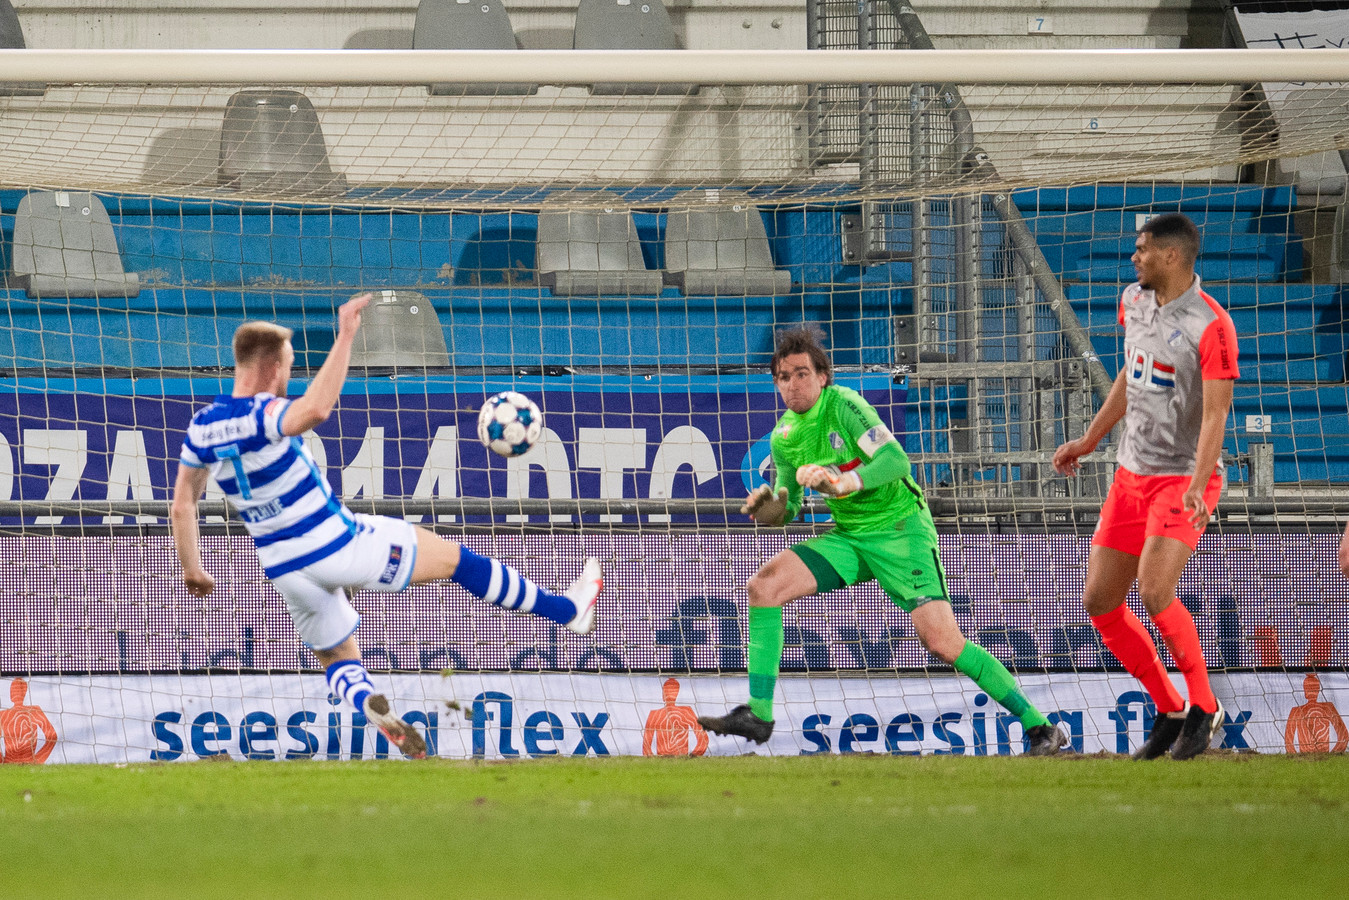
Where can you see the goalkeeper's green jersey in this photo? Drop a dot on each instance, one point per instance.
(842, 430)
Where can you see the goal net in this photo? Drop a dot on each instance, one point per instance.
(619, 238)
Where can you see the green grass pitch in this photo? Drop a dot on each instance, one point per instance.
(859, 826)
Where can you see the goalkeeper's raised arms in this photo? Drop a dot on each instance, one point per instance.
(766, 507)
(828, 481)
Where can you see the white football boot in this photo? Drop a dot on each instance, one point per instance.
(585, 592)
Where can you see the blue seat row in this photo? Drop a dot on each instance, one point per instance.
(1308, 426)
(190, 243)
(1088, 232)
(484, 326)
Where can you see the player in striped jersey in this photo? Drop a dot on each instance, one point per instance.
(311, 547)
(1173, 394)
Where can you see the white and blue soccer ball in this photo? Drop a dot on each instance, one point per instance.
(509, 424)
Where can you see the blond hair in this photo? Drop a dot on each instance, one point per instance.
(256, 341)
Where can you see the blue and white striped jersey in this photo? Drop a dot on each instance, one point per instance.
(270, 479)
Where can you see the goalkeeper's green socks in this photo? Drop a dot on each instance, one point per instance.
(765, 656)
(985, 670)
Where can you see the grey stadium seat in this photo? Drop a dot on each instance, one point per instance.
(64, 246)
(626, 25)
(716, 243)
(271, 140)
(588, 246)
(400, 329)
(466, 25)
(11, 38)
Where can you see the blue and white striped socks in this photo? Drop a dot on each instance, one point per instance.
(500, 584)
(348, 679)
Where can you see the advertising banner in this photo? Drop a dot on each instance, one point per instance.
(605, 437)
(523, 715)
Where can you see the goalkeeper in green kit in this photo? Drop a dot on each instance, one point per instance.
(833, 441)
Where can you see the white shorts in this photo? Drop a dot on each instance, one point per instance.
(379, 558)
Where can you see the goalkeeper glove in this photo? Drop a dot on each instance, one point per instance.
(829, 481)
(766, 507)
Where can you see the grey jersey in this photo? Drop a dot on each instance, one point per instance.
(1169, 351)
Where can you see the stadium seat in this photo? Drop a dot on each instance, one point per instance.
(64, 246)
(625, 25)
(466, 25)
(11, 38)
(400, 328)
(270, 140)
(716, 244)
(588, 245)
(1088, 233)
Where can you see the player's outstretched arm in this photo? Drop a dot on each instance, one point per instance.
(766, 506)
(1107, 417)
(186, 535)
(321, 397)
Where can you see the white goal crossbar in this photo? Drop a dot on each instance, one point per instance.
(740, 67)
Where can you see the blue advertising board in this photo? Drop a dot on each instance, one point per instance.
(606, 437)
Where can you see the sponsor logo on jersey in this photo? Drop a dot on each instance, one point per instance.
(225, 431)
(268, 510)
(391, 567)
(1145, 371)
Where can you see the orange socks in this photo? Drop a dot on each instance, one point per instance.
(1126, 637)
(1182, 639)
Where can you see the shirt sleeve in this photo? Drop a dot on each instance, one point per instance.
(883, 457)
(188, 457)
(786, 478)
(272, 411)
(889, 463)
(1218, 350)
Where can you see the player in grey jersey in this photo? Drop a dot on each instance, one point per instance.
(1173, 393)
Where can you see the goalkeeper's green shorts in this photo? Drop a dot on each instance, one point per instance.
(903, 560)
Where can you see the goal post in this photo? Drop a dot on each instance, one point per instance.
(959, 232)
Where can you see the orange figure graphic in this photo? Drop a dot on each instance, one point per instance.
(1308, 729)
(669, 726)
(20, 726)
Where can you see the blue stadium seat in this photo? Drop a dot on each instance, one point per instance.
(1309, 428)
(1087, 233)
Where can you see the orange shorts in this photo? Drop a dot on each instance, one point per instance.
(1141, 506)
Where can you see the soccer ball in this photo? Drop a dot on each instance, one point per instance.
(509, 424)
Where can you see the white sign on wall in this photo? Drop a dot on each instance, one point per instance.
(521, 715)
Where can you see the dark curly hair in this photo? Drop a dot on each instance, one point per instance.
(802, 340)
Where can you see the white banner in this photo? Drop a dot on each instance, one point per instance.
(519, 715)
(1301, 107)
